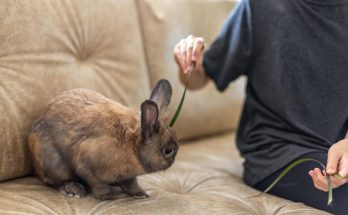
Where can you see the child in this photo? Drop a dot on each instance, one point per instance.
(294, 54)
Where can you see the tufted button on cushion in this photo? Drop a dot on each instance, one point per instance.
(50, 46)
(205, 179)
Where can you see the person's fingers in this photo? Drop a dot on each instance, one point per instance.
(197, 48)
(188, 50)
(333, 158)
(183, 54)
(321, 179)
(177, 56)
(316, 182)
(343, 166)
(320, 182)
(190, 43)
(335, 182)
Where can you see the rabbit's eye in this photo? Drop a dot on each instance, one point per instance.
(168, 151)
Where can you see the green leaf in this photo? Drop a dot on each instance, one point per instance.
(182, 98)
(329, 188)
(340, 177)
(179, 108)
(193, 65)
(294, 164)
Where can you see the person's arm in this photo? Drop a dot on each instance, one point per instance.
(189, 50)
(228, 57)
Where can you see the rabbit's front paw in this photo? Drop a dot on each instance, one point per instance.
(131, 187)
(104, 193)
(73, 189)
(140, 195)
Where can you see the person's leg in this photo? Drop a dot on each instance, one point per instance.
(298, 186)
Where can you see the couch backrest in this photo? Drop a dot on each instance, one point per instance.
(50, 46)
(118, 47)
(164, 23)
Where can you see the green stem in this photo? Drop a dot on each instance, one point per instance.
(294, 164)
(182, 97)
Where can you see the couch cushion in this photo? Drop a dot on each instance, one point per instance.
(205, 179)
(50, 46)
(164, 23)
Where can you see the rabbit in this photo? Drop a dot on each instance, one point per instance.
(84, 141)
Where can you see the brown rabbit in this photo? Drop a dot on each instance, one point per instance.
(84, 138)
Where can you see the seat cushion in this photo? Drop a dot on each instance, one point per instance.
(50, 46)
(164, 24)
(205, 179)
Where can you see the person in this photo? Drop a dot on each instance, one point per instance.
(295, 57)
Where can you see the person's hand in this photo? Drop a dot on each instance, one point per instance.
(320, 180)
(188, 50)
(337, 162)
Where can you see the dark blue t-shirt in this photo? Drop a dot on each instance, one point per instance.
(294, 54)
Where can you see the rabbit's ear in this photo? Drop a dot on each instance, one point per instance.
(149, 118)
(162, 93)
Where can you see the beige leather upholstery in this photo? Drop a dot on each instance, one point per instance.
(50, 46)
(121, 48)
(164, 25)
(204, 180)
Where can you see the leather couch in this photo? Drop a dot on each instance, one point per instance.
(120, 48)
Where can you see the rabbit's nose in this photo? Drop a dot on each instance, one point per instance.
(168, 151)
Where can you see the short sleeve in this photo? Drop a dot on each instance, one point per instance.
(230, 54)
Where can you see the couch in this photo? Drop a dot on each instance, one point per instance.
(121, 48)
